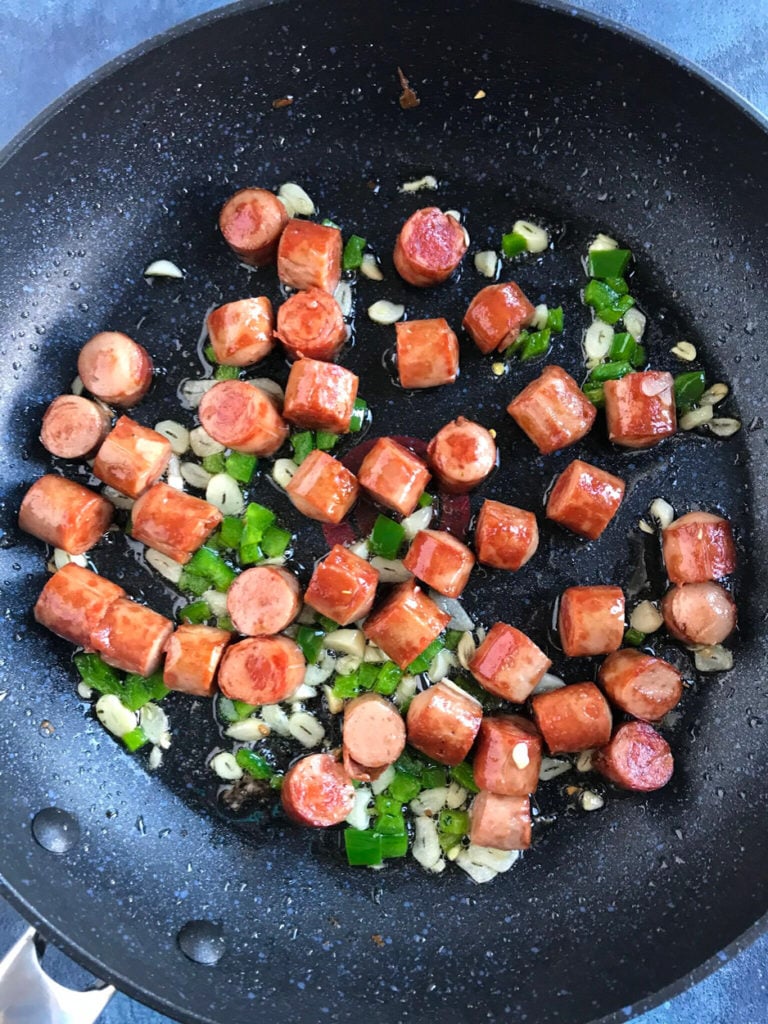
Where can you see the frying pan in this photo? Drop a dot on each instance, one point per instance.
(582, 128)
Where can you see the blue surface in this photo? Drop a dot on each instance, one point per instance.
(78, 36)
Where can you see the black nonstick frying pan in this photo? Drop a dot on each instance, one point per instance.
(580, 127)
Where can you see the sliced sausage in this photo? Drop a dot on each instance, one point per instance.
(74, 601)
(591, 620)
(132, 457)
(505, 537)
(309, 256)
(264, 600)
(320, 396)
(342, 587)
(192, 656)
(553, 410)
(640, 409)
(73, 427)
(643, 686)
(317, 791)
(699, 613)
(242, 417)
(443, 722)
(500, 822)
(405, 624)
(262, 670)
(65, 514)
(573, 718)
(373, 736)
(115, 368)
(508, 663)
(508, 755)
(173, 522)
(393, 476)
(311, 324)
(585, 499)
(242, 333)
(636, 758)
(461, 455)
(698, 547)
(251, 222)
(430, 246)
(440, 560)
(322, 488)
(427, 353)
(131, 637)
(496, 316)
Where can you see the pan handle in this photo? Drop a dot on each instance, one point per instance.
(29, 996)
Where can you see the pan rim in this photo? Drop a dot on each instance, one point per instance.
(709, 81)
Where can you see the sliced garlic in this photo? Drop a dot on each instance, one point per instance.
(465, 650)
(223, 492)
(216, 601)
(166, 566)
(603, 243)
(226, 767)
(536, 237)
(646, 618)
(520, 755)
(662, 513)
(62, 558)
(635, 322)
(724, 426)
(284, 471)
(417, 521)
(154, 721)
(429, 181)
(296, 200)
(248, 730)
(346, 641)
(713, 658)
(383, 781)
(163, 268)
(359, 815)
(598, 339)
(195, 475)
(551, 767)
(114, 715)
(684, 350)
(77, 387)
(487, 263)
(591, 801)
(176, 433)
(203, 444)
(306, 729)
(714, 394)
(696, 417)
(191, 391)
(343, 296)
(390, 570)
(384, 312)
(585, 761)
(548, 683)
(335, 704)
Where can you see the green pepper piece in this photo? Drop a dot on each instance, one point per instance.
(327, 624)
(275, 541)
(609, 371)
(367, 675)
(193, 583)
(452, 638)
(241, 466)
(359, 413)
(253, 763)
(230, 532)
(326, 441)
(97, 674)
(512, 244)
(226, 372)
(639, 357)
(404, 787)
(689, 387)
(311, 643)
(386, 804)
(210, 354)
(612, 314)
(464, 775)
(302, 443)
(345, 687)
(634, 637)
(140, 690)
(388, 679)
(394, 846)
(555, 320)
(352, 257)
(453, 822)
(424, 660)
(135, 739)
(387, 537)
(608, 262)
(390, 824)
(425, 499)
(432, 778)
(197, 611)
(214, 463)
(363, 846)
(536, 344)
(622, 347)
(211, 566)
(595, 394)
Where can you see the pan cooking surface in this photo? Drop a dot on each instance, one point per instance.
(136, 169)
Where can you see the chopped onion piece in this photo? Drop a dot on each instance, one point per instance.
(370, 268)
(441, 665)
(192, 391)
(306, 729)
(383, 312)
(203, 444)
(154, 721)
(662, 513)
(346, 641)
(428, 181)
(646, 618)
(724, 426)
(62, 558)
(348, 664)
(296, 200)
(548, 683)
(696, 417)
(119, 500)
(374, 655)
(224, 492)
(155, 758)
(163, 268)
(685, 351)
(360, 548)
(714, 658)
(429, 800)
(195, 475)
(173, 475)
(283, 472)
(390, 570)
(598, 339)
(551, 767)
(166, 566)
(603, 243)
(114, 715)
(343, 296)
(426, 845)
(216, 601)
(645, 526)
(248, 730)
(487, 263)
(453, 607)
(635, 321)
(417, 521)
(540, 316)
(520, 755)
(406, 689)
(359, 815)
(226, 767)
(536, 237)
(176, 433)
(84, 690)
(380, 784)
(316, 674)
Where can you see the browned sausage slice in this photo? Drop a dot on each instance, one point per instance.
(251, 222)
(430, 246)
(132, 637)
(309, 256)
(262, 670)
(132, 457)
(443, 722)
(699, 613)
(192, 656)
(173, 522)
(242, 417)
(264, 600)
(508, 755)
(461, 455)
(636, 758)
(573, 718)
(316, 791)
(311, 324)
(74, 601)
(643, 686)
(373, 735)
(73, 427)
(242, 333)
(115, 368)
(501, 822)
(64, 514)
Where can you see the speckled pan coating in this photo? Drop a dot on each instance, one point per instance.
(607, 909)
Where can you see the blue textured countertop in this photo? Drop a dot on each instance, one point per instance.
(78, 36)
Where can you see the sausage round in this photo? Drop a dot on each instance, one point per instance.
(73, 427)
(636, 758)
(500, 822)
(316, 791)
(242, 333)
(393, 476)
(591, 620)
(262, 670)
(173, 522)
(132, 457)
(427, 353)
(508, 755)
(311, 324)
(323, 488)
(585, 499)
(252, 221)
(508, 663)
(131, 637)
(430, 246)
(643, 686)
(320, 396)
(496, 316)
(698, 547)
(264, 600)
(505, 537)
(309, 256)
(461, 455)
(65, 514)
(553, 410)
(74, 601)
(242, 417)
(192, 656)
(405, 624)
(640, 408)
(573, 718)
(343, 586)
(440, 560)
(699, 613)
(115, 368)
(443, 722)
(373, 735)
